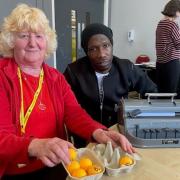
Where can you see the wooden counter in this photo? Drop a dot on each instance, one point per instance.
(156, 164)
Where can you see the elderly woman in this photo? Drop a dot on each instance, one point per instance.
(36, 102)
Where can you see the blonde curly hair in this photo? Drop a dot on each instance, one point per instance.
(25, 18)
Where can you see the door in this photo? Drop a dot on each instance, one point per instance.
(70, 19)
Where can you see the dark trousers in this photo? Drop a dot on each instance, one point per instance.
(55, 173)
(168, 77)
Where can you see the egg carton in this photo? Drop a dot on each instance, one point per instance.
(86, 152)
(110, 158)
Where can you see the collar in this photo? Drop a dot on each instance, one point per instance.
(9, 66)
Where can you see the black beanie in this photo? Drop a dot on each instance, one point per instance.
(94, 29)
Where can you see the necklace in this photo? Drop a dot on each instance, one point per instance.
(41, 105)
(24, 117)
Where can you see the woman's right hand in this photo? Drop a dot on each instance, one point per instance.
(50, 151)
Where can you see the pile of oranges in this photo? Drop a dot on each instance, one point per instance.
(82, 167)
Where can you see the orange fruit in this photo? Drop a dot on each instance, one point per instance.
(72, 154)
(94, 169)
(85, 163)
(73, 166)
(79, 173)
(126, 160)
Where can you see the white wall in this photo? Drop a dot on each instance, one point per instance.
(140, 15)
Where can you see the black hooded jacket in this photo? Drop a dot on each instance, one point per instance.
(123, 77)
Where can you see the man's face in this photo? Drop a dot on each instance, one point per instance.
(100, 53)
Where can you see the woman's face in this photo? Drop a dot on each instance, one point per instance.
(100, 53)
(30, 48)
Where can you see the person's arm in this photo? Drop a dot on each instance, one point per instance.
(140, 81)
(70, 78)
(80, 123)
(12, 147)
(117, 139)
(175, 34)
(50, 151)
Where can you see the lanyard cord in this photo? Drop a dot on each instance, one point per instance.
(24, 119)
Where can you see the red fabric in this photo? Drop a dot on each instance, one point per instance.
(141, 59)
(13, 147)
(39, 118)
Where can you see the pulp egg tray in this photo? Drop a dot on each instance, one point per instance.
(85, 152)
(110, 158)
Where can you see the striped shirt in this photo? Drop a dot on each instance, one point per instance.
(167, 41)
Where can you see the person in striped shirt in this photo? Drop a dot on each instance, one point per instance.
(168, 49)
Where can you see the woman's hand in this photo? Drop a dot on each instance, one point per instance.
(50, 151)
(117, 139)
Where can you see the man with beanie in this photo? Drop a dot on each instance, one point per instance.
(99, 80)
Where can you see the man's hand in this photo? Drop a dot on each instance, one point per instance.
(117, 139)
(50, 151)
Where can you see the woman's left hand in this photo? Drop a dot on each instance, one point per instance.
(117, 139)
